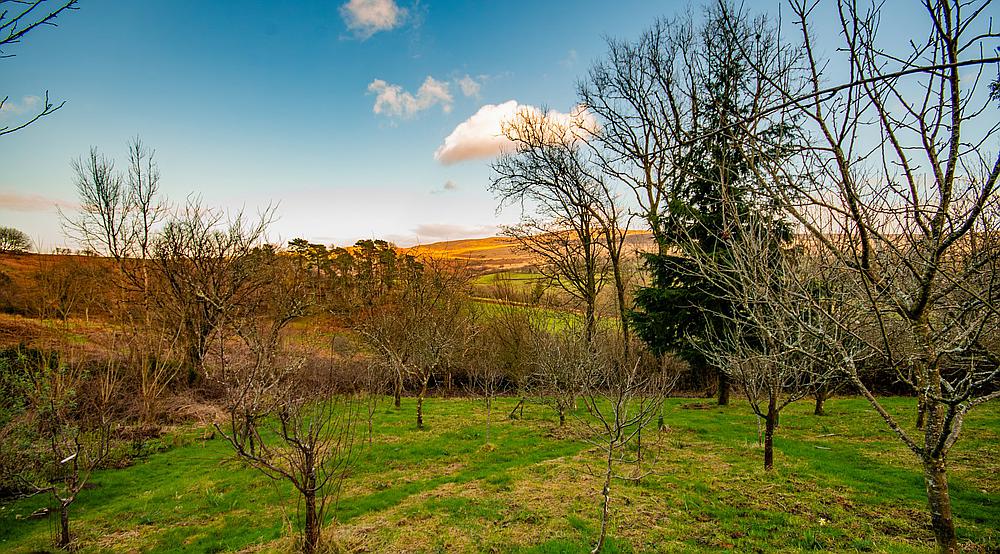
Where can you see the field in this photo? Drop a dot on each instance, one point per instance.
(840, 482)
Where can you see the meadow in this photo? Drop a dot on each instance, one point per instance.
(840, 482)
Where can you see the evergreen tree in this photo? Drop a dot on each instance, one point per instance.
(717, 197)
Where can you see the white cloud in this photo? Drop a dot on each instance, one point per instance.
(469, 85)
(393, 101)
(27, 103)
(482, 136)
(367, 17)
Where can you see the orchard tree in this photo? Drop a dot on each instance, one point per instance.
(423, 328)
(64, 431)
(902, 198)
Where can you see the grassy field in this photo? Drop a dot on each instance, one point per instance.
(841, 482)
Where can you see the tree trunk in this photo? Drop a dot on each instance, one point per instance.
(64, 526)
(605, 507)
(723, 389)
(771, 420)
(939, 500)
(397, 392)
(513, 413)
(489, 415)
(312, 531)
(820, 398)
(638, 448)
(591, 320)
(420, 405)
(194, 356)
(562, 416)
(616, 267)
(420, 411)
(311, 539)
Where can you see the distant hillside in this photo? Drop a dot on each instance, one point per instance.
(501, 253)
(491, 253)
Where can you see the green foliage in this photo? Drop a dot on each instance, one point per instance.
(715, 197)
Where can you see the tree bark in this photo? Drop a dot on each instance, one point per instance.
(723, 389)
(513, 413)
(489, 415)
(605, 507)
(420, 405)
(64, 538)
(820, 398)
(310, 541)
(921, 411)
(770, 421)
(420, 411)
(397, 392)
(939, 500)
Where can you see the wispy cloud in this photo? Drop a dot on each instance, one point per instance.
(367, 17)
(470, 86)
(448, 186)
(482, 136)
(15, 202)
(27, 103)
(570, 59)
(393, 101)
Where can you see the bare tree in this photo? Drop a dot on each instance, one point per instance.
(289, 421)
(509, 331)
(485, 377)
(546, 177)
(73, 432)
(65, 284)
(623, 396)
(422, 328)
(120, 212)
(18, 18)
(561, 358)
(776, 290)
(902, 195)
(644, 98)
(14, 240)
(307, 439)
(206, 268)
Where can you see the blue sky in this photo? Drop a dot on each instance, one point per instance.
(357, 118)
(274, 103)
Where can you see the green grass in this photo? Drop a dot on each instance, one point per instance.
(841, 482)
(516, 278)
